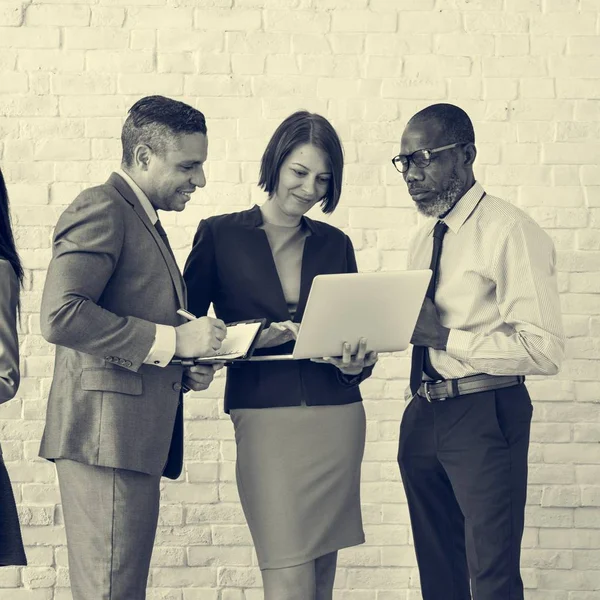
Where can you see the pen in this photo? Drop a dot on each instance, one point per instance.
(186, 314)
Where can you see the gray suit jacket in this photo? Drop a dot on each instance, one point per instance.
(111, 278)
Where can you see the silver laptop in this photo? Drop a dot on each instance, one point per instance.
(382, 307)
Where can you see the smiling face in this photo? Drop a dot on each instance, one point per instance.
(437, 187)
(169, 177)
(304, 178)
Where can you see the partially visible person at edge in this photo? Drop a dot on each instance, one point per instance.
(299, 425)
(11, 280)
(114, 421)
(491, 316)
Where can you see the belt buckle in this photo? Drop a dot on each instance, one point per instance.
(428, 397)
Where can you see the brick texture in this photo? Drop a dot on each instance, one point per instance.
(527, 71)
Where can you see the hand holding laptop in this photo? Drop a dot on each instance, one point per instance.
(348, 364)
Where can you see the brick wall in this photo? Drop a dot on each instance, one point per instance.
(527, 71)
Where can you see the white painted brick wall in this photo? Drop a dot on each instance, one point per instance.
(528, 72)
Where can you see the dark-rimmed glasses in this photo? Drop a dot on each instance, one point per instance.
(419, 158)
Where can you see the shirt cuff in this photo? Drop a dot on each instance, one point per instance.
(459, 344)
(163, 348)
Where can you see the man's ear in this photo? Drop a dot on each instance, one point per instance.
(470, 152)
(141, 156)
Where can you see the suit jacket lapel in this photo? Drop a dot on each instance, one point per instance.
(123, 188)
(254, 239)
(267, 278)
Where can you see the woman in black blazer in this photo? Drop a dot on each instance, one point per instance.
(11, 277)
(299, 425)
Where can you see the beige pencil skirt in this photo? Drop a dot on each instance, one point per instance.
(298, 477)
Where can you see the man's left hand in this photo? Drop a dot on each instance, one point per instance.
(348, 364)
(429, 330)
(199, 377)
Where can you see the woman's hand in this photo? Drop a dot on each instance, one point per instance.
(351, 365)
(277, 334)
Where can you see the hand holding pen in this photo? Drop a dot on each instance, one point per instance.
(199, 337)
(199, 377)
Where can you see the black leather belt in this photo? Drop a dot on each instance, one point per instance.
(437, 391)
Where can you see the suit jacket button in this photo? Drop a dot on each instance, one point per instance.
(109, 358)
(122, 361)
(128, 363)
(177, 386)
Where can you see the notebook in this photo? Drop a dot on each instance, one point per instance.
(239, 343)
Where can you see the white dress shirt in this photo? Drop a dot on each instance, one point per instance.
(496, 290)
(165, 340)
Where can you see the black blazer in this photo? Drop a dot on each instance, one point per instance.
(232, 266)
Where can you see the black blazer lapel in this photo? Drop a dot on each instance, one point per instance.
(312, 265)
(265, 276)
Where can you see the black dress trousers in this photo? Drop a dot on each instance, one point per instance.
(463, 463)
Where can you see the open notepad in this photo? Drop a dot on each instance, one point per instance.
(239, 343)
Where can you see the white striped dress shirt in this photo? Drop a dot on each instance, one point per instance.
(496, 291)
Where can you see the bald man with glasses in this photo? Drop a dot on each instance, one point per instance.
(491, 316)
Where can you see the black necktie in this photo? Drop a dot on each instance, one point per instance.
(420, 355)
(163, 235)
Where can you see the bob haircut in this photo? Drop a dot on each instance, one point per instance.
(300, 128)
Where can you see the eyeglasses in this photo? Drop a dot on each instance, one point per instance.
(419, 158)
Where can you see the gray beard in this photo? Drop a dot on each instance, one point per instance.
(445, 200)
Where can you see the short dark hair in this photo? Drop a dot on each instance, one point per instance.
(304, 127)
(454, 121)
(156, 120)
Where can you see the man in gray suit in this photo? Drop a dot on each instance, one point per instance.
(114, 421)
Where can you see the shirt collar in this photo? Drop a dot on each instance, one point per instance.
(462, 210)
(141, 196)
